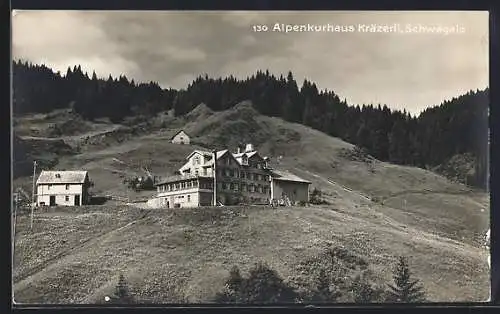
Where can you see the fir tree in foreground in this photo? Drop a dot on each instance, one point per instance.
(405, 290)
(122, 293)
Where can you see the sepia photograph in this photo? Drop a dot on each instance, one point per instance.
(250, 157)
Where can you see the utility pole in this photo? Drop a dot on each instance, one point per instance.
(215, 177)
(14, 223)
(33, 196)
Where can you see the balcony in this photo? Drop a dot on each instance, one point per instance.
(186, 177)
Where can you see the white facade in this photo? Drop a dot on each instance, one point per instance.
(64, 194)
(63, 188)
(191, 197)
(184, 198)
(241, 178)
(196, 164)
(181, 138)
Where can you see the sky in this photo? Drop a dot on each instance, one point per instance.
(410, 60)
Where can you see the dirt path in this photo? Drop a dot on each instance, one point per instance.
(392, 195)
(105, 130)
(398, 229)
(336, 184)
(58, 259)
(425, 191)
(417, 232)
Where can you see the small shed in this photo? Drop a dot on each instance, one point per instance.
(180, 138)
(288, 187)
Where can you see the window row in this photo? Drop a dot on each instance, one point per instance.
(185, 185)
(244, 187)
(197, 172)
(49, 186)
(242, 175)
(244, 161)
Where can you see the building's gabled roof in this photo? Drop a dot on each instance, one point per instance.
(221, 153)
(287, 176)
(181, 131)
(202, 152)
(239, 156)
(249, 154)
(62, 177)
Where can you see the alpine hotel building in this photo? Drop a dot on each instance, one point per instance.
(243, 177)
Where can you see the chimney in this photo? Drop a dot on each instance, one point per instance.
(249, 148)
(239, 150)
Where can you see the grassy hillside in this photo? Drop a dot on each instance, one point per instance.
(376, 209)
(170, 255)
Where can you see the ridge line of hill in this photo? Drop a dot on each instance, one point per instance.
(438, 135)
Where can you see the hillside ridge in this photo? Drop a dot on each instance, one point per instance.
(456, 126)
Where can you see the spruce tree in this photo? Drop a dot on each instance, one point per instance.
(122, 293)
(405, 290)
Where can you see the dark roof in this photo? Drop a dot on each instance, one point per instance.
(287, 176)
(178, 134)
(202, 152)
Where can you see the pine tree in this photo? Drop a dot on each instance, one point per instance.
(122, 293)
(405, 290)
(235, 280)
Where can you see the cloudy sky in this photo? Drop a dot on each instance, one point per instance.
(404, 69)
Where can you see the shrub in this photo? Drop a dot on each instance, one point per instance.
(332, 275)
(404, 289)
(232, 288)
(325, 291)
(364, 291)
(263, 285)
(140, 184)
(315, 197)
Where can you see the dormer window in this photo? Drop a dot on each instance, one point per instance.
(58, 175)
(244, 160)
(197, 160)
